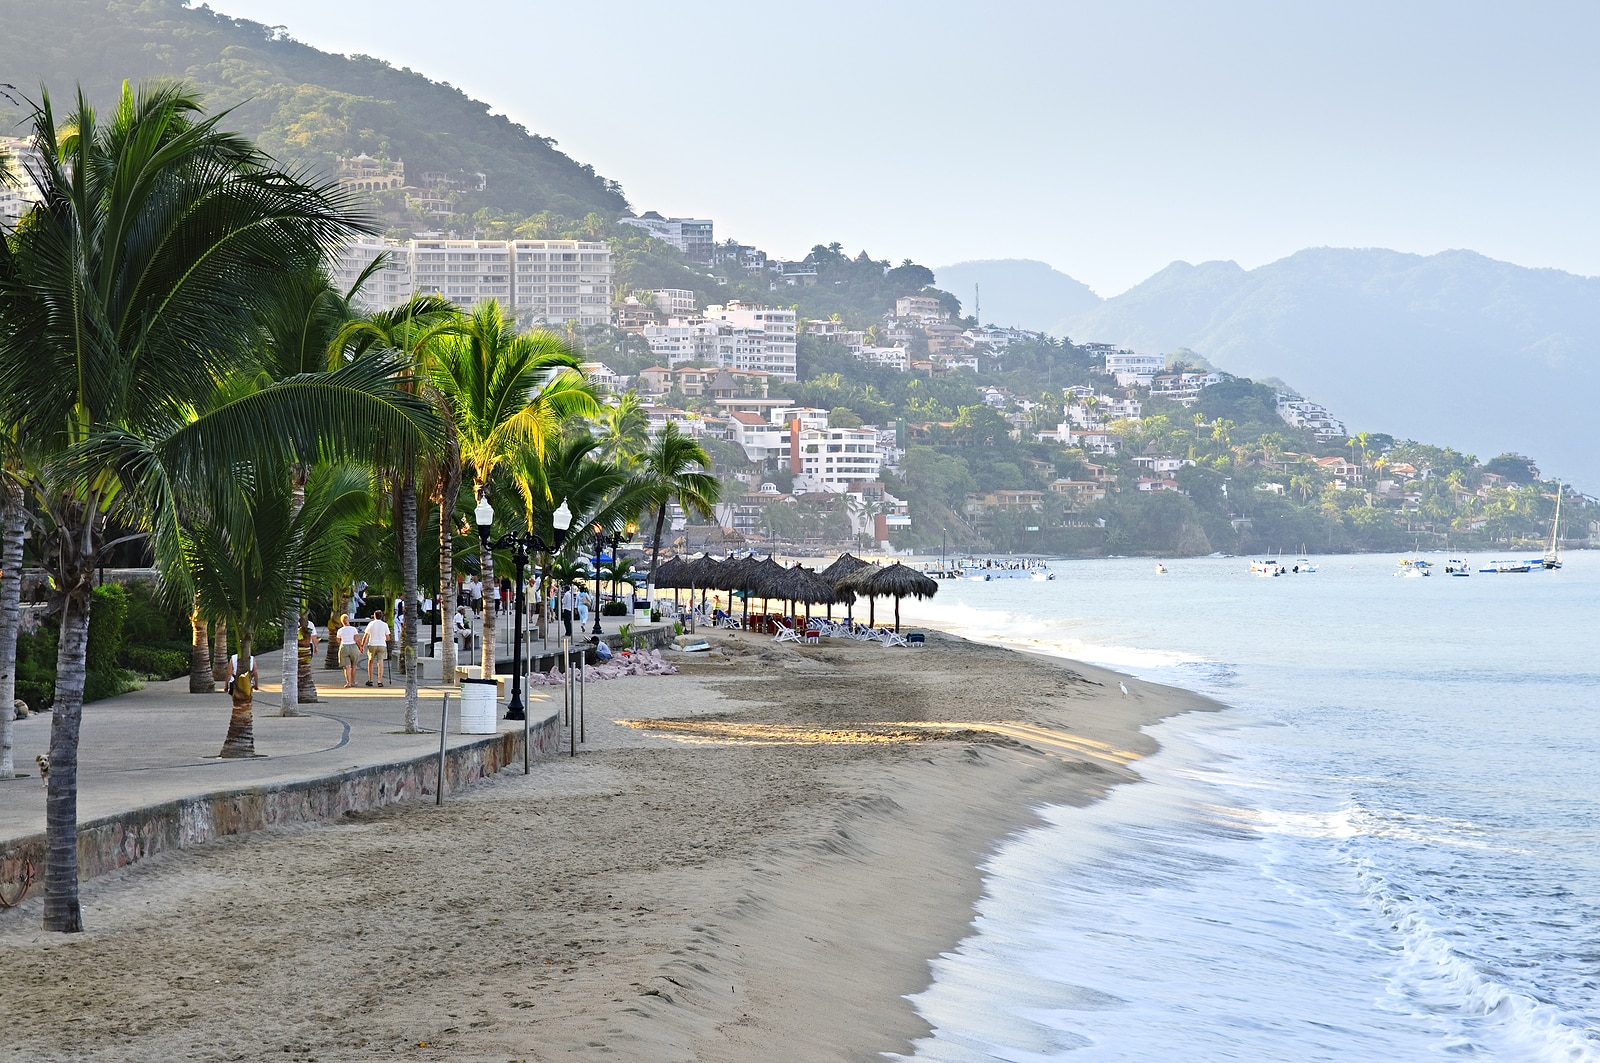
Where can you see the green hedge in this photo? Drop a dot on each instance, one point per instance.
(615, 609)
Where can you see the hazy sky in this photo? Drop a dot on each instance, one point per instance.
(1107, 139)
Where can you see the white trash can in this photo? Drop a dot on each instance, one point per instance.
(479, 708)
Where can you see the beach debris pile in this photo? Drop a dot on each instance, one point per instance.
(637, 663)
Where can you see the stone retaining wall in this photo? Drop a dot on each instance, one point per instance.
(115, 841)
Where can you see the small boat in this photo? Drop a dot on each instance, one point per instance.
(1413, 567)
(1507, 566)
(1457, 566)
(1303, 564)
(1266, 567)
(1043, 575)
(1552, 557)
(1161, 570)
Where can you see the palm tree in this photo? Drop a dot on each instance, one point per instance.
(505, 393)
(416, 330)
(13, 523)
(673, 469)
(125, 294)
(624, 429)
(256, 549)
(601, 495)
(618, 571)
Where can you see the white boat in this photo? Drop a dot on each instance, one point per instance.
(1267, 567)
(1413, 567)
(1161, 570)
(1457, 566)
(1508, 566)
(1552, 557)
(1303, 564)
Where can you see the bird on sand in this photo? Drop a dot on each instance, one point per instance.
(1124, 688)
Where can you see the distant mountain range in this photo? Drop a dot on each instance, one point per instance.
(1454, 349)
(1018, 292)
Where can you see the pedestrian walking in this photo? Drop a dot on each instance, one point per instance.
(375, 640)
(505, 595)
(349, 650)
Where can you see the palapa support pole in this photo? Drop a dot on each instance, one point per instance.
(583, 692)
(444, 729)
(566, 686)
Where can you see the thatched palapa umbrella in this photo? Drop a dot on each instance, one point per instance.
(842, 566)
(897, 581)
(734, 575)
(702, 574)
(851, 585)
(669, 574)
(806, 586)
(768, 579)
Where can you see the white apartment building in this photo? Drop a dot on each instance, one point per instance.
(17, 199)
(833, 457)
(547, 281)
(767, 341)
(674, 302)
(1312, 415)
(1130, 367)
(692, 236)
(760, 438)
(1183, 387)
(894, 357)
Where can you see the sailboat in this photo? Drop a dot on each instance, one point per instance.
(1552, 558)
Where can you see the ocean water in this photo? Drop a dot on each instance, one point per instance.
(1386, 848)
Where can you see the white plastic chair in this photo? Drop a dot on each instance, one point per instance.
(889, 638)
(786, 634)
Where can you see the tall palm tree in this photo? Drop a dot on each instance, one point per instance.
(624, 429)
(505, 393)
(673, 468)
(264, 540)
(415, 330)
(125, 294)
(13, 523)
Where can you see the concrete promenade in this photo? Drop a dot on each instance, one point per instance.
(159, 744)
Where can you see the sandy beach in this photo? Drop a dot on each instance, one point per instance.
(752, 860)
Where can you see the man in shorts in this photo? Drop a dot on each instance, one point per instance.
(349, 650)
(375, 640)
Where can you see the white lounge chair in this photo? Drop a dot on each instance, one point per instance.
(889, 638)
(786, 634)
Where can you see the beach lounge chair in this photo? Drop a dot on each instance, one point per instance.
(785, 633)
(889, 638)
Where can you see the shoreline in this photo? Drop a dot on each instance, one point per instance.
(760, 867)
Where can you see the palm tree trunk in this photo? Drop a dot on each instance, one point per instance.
(449, 489)
(330, 656)
(306, 682)
(408, 572)
(241, 740)
(655, 545)
(486, 657)
(289, 696)
(219, 651)
(13, 519)
(200, 681)
(62, 912)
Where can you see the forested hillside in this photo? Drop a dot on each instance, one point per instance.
(302, 105)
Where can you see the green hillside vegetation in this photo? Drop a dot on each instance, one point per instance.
(304, 106)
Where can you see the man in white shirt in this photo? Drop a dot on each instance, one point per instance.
(233, 672)
(375, 640)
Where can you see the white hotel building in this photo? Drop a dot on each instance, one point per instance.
(547, 281)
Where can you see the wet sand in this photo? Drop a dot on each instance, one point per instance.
(752, 860)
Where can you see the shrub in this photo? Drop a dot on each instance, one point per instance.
(615, 609)
(107, 683)
(156, 663)
(36, 667)
(107, 611)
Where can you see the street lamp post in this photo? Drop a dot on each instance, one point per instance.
(599, 542)
(519, 544)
